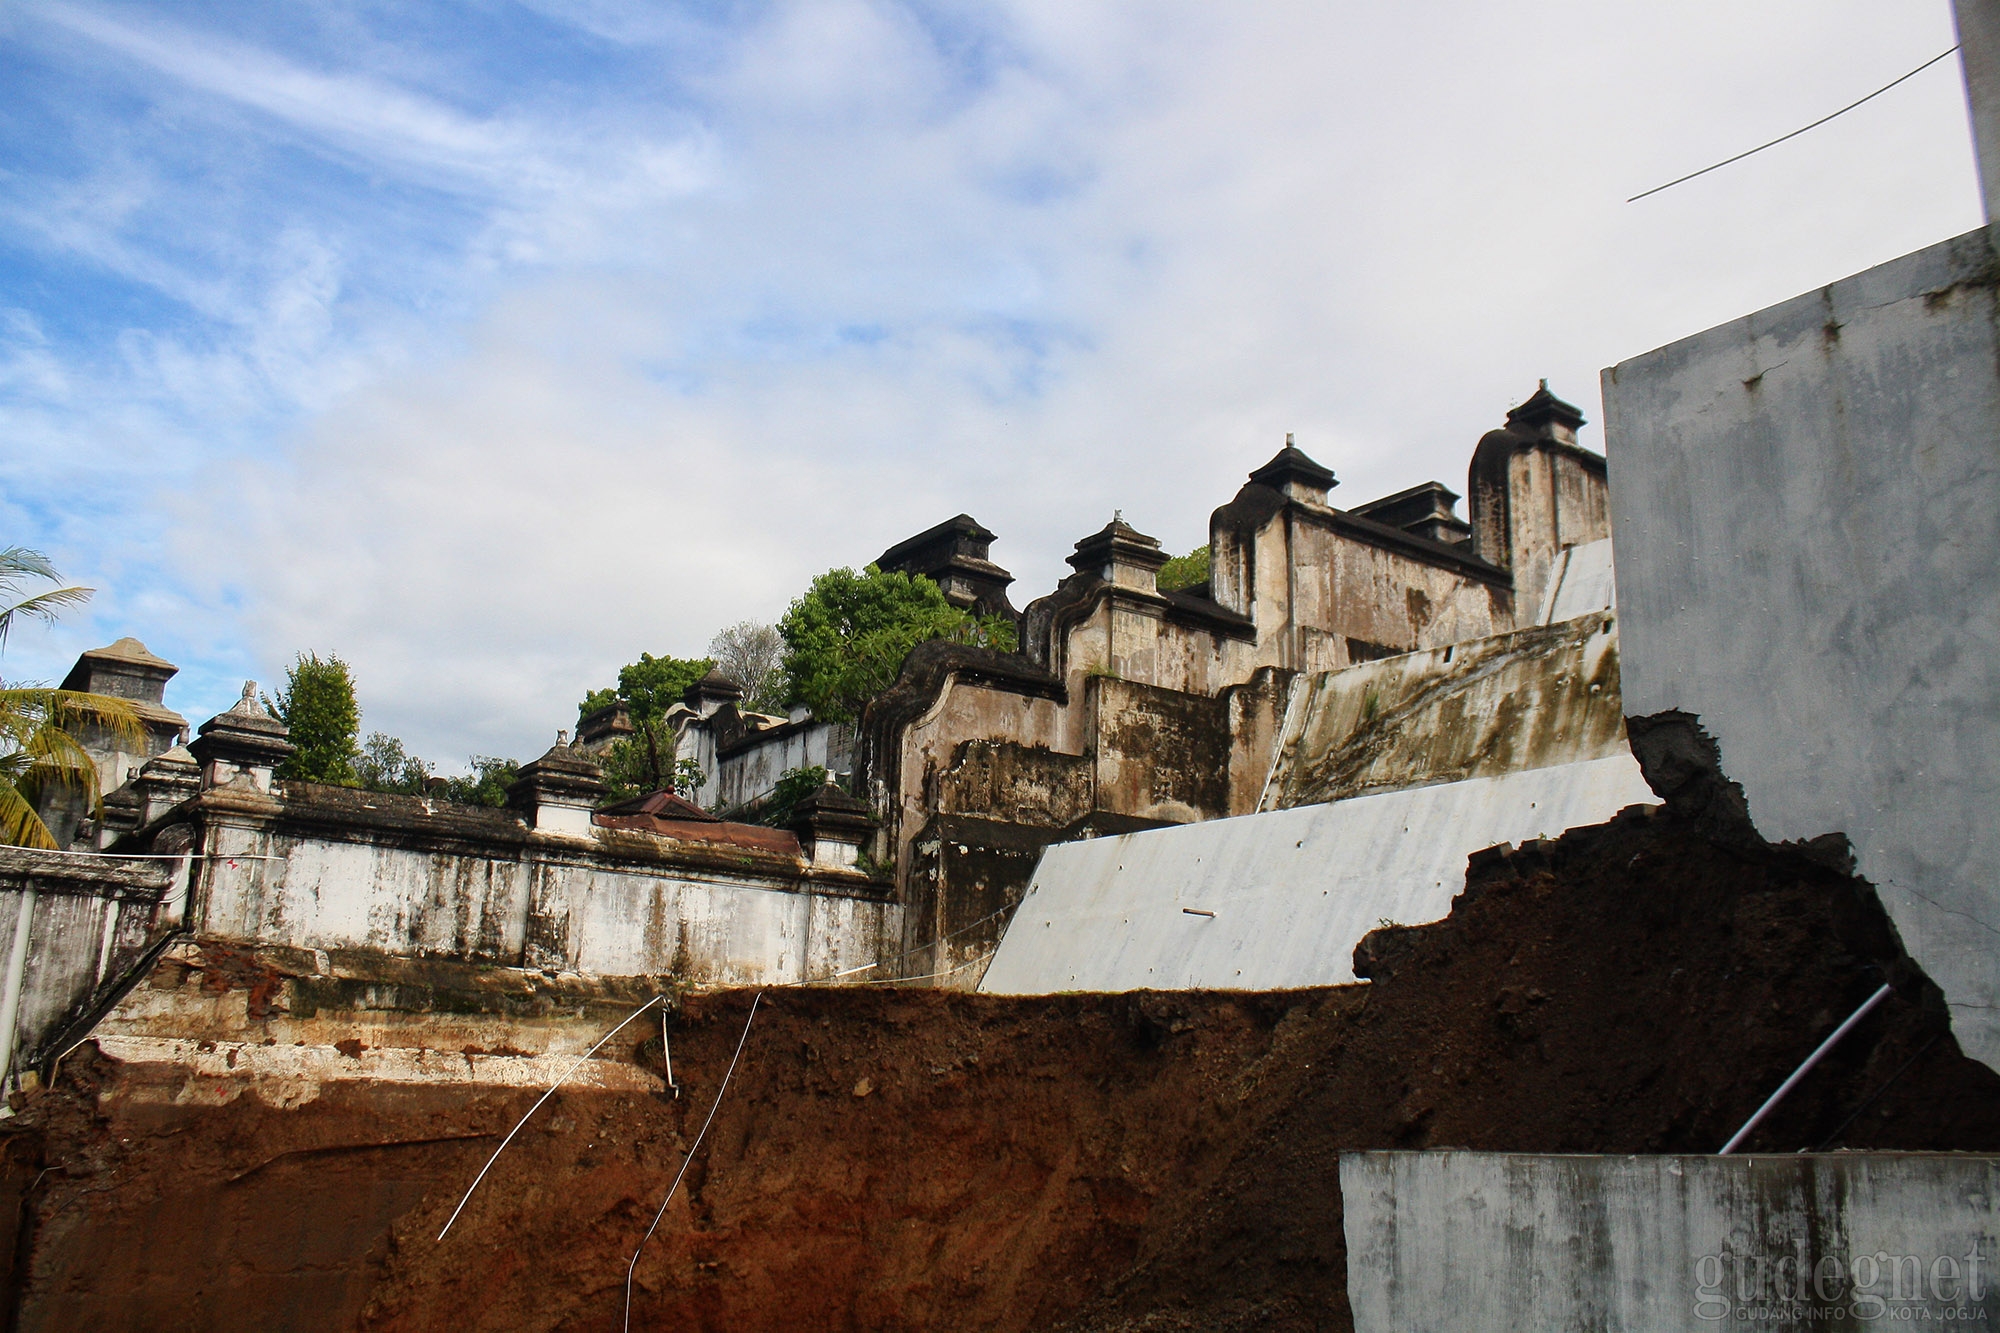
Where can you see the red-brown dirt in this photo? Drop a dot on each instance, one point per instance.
(912, 1159)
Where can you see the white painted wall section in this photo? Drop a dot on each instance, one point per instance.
(1293, 891)
(1512, 1242)
(1585, 582)
(1807, 503)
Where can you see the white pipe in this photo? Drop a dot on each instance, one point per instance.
(17, 970)
(1804, 1069)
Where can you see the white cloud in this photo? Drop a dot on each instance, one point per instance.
(870, 265)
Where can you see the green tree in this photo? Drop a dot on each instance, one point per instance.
(1185, 571)
(318, 709)
(40, 728)
(385, 765)
(645, 761)
(487, 784)
(846, 638)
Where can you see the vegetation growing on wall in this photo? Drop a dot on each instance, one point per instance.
(793, 787)
(846, 638)
(1185, 571)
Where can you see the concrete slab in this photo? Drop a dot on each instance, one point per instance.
(1291, 891)
(1500, 1241)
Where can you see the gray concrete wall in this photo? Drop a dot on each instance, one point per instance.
(1291, 892)
(1978, 24)
(1807, 503)
(1478, 1241)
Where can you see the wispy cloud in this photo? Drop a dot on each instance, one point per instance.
(384, 125)
(490, 347)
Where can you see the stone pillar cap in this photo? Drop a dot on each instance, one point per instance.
(830, 813)
(1545, 417)
(247, 732)
(562, 774)
(1117, 542)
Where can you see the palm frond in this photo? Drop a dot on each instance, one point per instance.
(18, 562)
(116, 717)
(20, 826)
(41, 746)
(42, 606)
(23, 709)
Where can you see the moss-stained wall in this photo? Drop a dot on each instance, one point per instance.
(1535, 698)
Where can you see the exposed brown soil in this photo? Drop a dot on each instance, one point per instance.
(911, 1159)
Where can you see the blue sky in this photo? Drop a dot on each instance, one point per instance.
(491, 344)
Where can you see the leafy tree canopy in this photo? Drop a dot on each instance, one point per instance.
(317, 707)
(846, 638)
(385, 765)
(1185, 571)
(487, 784)
(649, 686)
(646, 762)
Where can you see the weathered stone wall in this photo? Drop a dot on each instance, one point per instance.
(71, 927)
(1327, 588)
(323, 868)
(1016, 784)
(1535, 698)
(745, 771)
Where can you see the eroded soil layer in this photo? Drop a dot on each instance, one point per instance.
(913, 1159)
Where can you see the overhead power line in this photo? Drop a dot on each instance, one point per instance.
(1795, 133)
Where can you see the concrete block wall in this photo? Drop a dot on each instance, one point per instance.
(1807, 508)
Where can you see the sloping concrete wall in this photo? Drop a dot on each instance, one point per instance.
(1536, 698)
(1292, 891)
(1478, 1241)
(1807, 503)
(1585, 581)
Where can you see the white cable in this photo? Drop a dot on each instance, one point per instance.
(538, 1106)
(713, 1107)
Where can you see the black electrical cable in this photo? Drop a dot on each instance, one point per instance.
(1795, 133)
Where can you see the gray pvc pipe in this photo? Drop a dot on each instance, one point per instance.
(1804, 1069)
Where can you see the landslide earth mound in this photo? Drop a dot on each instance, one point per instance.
(913, 1159)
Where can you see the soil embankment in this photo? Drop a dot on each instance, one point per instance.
(911, 1159)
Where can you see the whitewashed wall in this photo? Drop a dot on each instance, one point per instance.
(70, 925)
(552, 902)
